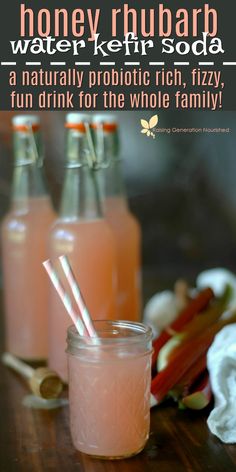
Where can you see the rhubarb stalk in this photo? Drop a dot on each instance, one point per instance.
(195, 306)
(182, 388)
(192, 329)
(184, 358)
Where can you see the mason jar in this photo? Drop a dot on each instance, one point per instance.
(109, 389)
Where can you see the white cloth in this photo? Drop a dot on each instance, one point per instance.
(221, 363)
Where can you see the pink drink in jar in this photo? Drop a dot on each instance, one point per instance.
(109, 389)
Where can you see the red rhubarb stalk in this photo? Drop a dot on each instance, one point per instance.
(195, 306)
(183, 387)
(200, 323)
(184, 358)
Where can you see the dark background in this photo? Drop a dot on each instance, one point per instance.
(181, 187)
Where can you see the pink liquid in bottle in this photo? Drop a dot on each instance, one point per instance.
(127, 234)
(24, 240)
(126, 229)
(86, 238)
(24, 248)
(90, 248)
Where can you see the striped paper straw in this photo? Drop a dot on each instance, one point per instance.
(78, 296)
(65, 298)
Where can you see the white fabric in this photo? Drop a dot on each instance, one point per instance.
(161, 310)
(218, 279)
(221, 362)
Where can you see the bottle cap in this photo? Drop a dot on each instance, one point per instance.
(76, 121)
(108, 121)
(23, 122)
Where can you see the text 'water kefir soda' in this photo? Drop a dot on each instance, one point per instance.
(85, 237)
(24, 242)
(125, 227)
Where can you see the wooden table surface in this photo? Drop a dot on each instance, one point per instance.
(39, 441)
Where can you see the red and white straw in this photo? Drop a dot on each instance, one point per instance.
(65, 298)
(77, 296)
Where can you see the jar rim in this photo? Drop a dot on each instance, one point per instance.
(123, 332)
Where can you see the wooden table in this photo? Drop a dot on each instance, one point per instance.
(39, 441)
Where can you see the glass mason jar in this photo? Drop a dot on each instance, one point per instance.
(109, 389)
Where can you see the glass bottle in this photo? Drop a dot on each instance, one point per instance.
(125, 227)
(85, 237)
(24, 244)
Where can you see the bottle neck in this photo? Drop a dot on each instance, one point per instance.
(82, 193)
(28, 179)
(114, 182)
(107, 148)
(27, 147)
